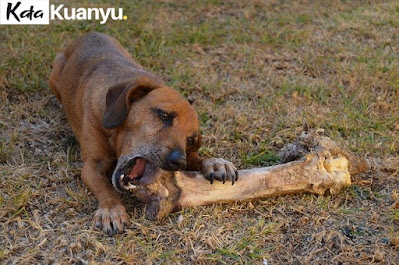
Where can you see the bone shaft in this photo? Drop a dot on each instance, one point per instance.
(254, 183)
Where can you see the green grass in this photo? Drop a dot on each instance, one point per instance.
(394, 215)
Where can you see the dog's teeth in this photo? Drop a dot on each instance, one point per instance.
(122, 176)
(130, 186)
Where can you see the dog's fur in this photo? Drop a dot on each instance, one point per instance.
(118, 109)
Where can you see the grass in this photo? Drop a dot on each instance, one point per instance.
(257, 71)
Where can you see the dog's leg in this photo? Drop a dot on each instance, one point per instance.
(212, 168)
(111, 215)
(220, 169)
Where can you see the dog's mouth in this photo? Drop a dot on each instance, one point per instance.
(134, 171)
(131, 172)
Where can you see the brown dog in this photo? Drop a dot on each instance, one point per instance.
(126, 121)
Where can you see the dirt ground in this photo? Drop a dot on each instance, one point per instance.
(257, 72)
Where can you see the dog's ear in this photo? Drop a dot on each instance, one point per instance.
(120, 97)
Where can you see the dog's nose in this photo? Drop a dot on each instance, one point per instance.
(177, 160)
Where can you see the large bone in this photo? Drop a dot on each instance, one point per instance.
(318, 170)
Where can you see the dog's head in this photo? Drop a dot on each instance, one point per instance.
(156, 128)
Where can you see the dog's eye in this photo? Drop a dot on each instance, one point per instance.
(190, 141)
(163, 116)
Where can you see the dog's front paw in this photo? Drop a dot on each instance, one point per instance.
(220, 169)
(112, 220)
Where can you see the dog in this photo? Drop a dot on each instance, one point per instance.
(125, 118)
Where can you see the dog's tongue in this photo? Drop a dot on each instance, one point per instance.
(138, 169)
